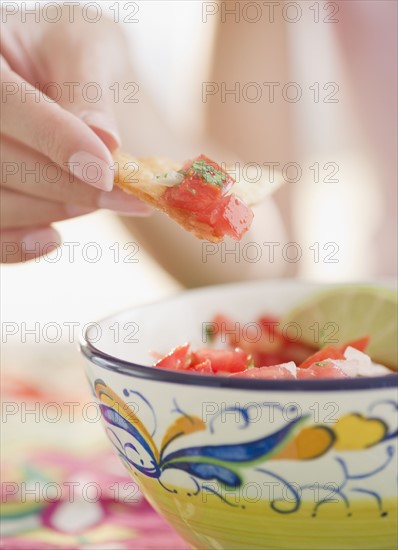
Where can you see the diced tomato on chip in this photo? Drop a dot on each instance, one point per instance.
(203, 167)
(232, 217)
(192, 194)
(203, 194)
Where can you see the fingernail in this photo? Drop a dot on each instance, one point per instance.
(122, 203)
(91, 170)
(75, 211)
(103, 122)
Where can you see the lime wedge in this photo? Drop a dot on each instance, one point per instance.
(346, 313)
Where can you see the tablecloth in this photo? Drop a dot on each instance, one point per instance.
(62, 485)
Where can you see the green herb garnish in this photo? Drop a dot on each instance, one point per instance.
(210, 333)
(322, 364)
(209, 173)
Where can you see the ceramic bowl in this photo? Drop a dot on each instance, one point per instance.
(250, 464)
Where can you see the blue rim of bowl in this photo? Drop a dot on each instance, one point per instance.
(146, 372)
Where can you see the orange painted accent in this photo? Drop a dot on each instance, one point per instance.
(309, 443)
(182, 426)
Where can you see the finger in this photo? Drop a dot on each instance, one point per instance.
(21, 245)
(20, 210)
(29, 172)
(98, 115)
(32, 118)
(93, 72)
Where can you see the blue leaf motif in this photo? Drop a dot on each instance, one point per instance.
(237, 452)
(115, 419)
(207, 471)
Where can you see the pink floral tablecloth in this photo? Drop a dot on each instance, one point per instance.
(62, 486)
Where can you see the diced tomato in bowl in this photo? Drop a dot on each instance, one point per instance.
(231, 361)
(275, 372)
(201, 368)
(323, 354)
(324, 369)
(268, 354)
(175, 360)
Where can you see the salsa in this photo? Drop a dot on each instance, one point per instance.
(271, 355)
(203, 196)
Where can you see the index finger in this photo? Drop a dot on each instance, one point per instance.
(32, 118)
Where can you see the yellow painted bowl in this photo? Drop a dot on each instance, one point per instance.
(250, 464)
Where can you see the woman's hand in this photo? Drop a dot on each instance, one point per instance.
(57, 128)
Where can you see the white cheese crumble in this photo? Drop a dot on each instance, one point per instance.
(169, 179)
(357, 364)
(291, 367)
